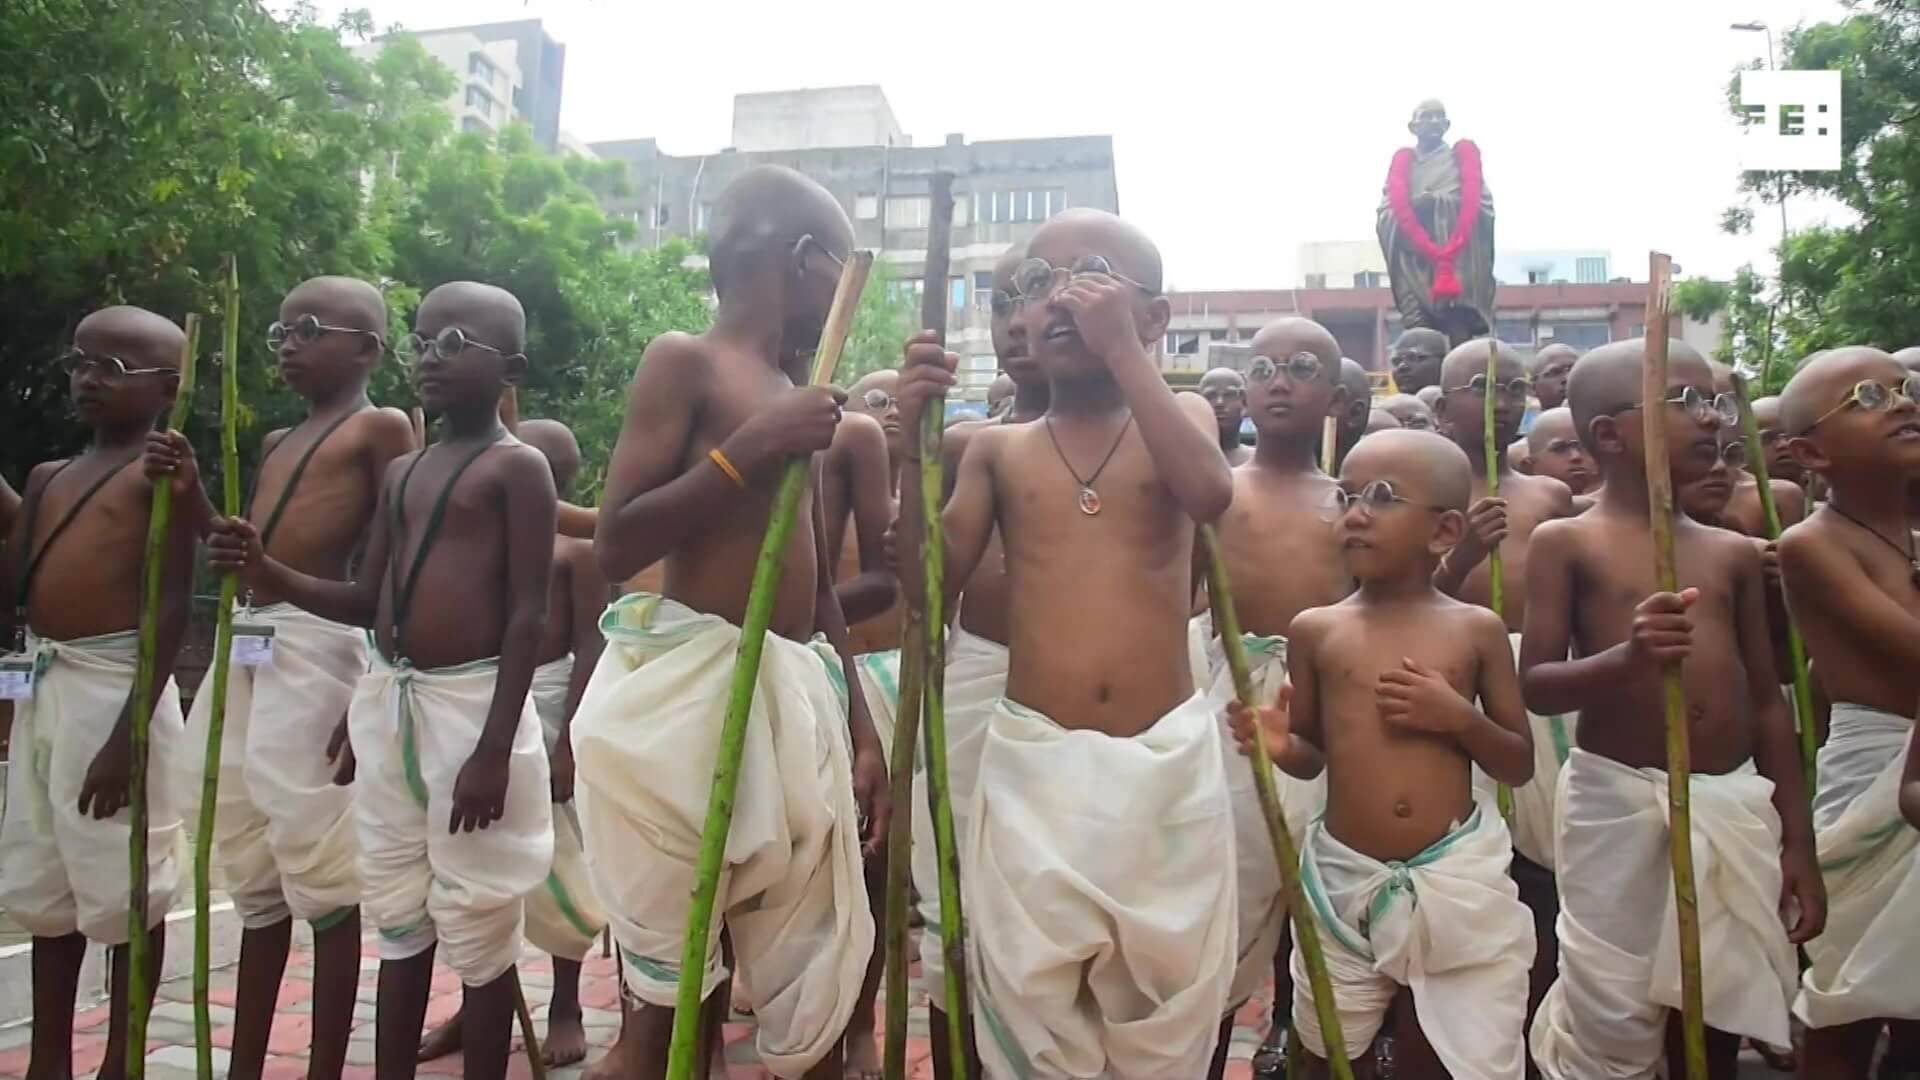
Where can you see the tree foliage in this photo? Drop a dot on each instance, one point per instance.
(1843, 284)
(889, 312)
(145, 140)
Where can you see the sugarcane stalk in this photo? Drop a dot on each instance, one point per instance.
(746, 673)
(1796, 648)
(217, 678)
(536, 1061)
(1496, 578)
(1306, 936)
(1329, 444)
(140, 721)
(1679, 766)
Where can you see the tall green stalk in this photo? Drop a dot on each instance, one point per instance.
(1796, 648)
(216, 684)
(952, 925)
(906, 741)
(1306, 936)
(1686, 900)
(746, 673)
(1496, 578)
(139, 1001)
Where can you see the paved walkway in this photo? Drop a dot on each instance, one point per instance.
(170, 1033)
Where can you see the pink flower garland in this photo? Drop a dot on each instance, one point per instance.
(1446, 282)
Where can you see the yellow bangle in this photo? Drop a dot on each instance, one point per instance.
(719, 459)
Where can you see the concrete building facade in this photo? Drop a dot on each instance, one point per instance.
(1003, 190)
(508, 72)
(1207, 327)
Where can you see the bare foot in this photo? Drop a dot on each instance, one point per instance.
(442, 1040)
(863, 1053)
(566, 1041)
(741, 999)
(611, 1065)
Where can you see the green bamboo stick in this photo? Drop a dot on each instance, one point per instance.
(906, 735)
(946, 849)
(746, 672)
(1496, 578)
(1306, 936)
(152, 570)
(1679, 752)
(1796, 648)
(217, 678)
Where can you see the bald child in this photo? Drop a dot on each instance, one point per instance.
(1781, 464)
(1556, 451)
(1549, 368)
(1401, 690)
(1412, 413)
(1852, 583)
(711, 421)
(1415, 359)
(1281, 558)
(1096, 504)
(1225, 391)
(1591, 646)
(284, 834)
(75, 561)
(1356, 412)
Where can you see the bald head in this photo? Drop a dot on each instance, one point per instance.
(490, 314)
(1422, 466)
(1470, 359)
(762, 215)
(1415, 358)
(1290, 334)
(1411, 413)
(1380, 420)
(1909, 357)
(1722, 376)
(146, 340)
(1766, 413)
(1607, 379)
(1000, 394)
(338, 301)
(1071, 234)
(1549, 427)
(1359, 409)
(555, 440)
(1222, 377)
(1825, 380)
(884, 379)
(1548, 369)
(1003, 267)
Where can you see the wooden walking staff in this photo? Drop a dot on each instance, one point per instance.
(1796, 648)
(746, 672)
(217, 679)
(1653, 389)
(139, 1000)
(1496, 580)
(1306, 936)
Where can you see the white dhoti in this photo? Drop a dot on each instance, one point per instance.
(1100, 896)
(976, 681)
(1866, 964)
(879, 674)
(563, 915)
(62, 871)
(1605, 1017)
(1533, 824)
(1447, 923)
(1262, 915)
(646, 737)
(413, 731)
(283, 831)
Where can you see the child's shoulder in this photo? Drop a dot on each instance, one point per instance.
(379, 421)
(38, 476)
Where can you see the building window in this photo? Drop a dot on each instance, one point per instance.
(1029, 204)
(1369, 279)
(907, 212)
(1514, 331)
(983, 290)
(702, 217)
(480, 67)
(1639, 330)
(1183, 343)
(1590, 270)
(960, 208)
(1316, 281)
(1580, 335)
(908, 289)
(1537, 277)
(1216, 335)
(956, 294)
(474, 123)
(479, 99)
(866, 207)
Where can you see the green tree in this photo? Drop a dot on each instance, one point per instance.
(888, 314)
(1841, 284)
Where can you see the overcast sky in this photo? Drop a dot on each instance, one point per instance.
(1241, 128)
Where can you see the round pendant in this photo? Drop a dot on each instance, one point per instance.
(1089, 501)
